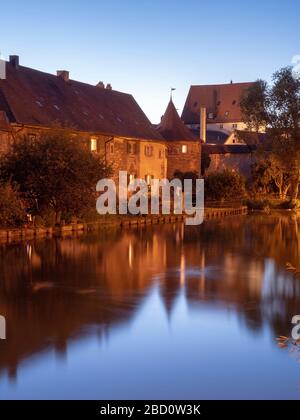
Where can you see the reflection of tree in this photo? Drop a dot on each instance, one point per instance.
(54, 290)
(293, 346)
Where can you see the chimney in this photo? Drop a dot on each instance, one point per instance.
(14, 60)
(109, 87)
(203, 124)
(100, 85)
(64, 75)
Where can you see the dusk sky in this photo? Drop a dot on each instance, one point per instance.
(145, 47)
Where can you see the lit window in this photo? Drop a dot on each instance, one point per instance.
(210, 116)
(131, 179)
(184, 148)
(94, 145)
(148, 179)
(226, 114)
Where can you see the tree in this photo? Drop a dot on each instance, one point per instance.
(268, 176)
(226, 185)
(12, 208)
(56, 171)
(193, 176)
(277, 108)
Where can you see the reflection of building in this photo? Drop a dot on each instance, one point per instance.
(108, 122)
(66, 288)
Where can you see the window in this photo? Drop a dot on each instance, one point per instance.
(210, 116)
(148, 179)
(221, 126)
(149, 151)
(93, 145)
(131, 148)
(226, 114)
(184, 149)
(234, 126)
(131, 178)
(112, 148)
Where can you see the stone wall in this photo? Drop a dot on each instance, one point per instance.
(183, 162)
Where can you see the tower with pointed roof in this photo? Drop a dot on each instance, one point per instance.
(184, 148)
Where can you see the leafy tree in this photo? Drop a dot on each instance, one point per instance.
(226, 185)
(277, 108)
(187, 175)
(12, 208)
(268, 176)
(55, 172)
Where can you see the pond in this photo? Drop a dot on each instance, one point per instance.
(160, 312)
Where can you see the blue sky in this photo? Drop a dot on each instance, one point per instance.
(144, 47)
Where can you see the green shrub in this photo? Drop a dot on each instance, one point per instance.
(226, 185)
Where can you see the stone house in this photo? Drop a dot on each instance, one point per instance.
(109, 122)
(184, 148)
(238, 158)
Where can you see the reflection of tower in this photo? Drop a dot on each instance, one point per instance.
(170, 290)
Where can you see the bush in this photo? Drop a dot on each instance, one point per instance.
(226, 185)
(12, 208)
(258, 204)
(289, 205)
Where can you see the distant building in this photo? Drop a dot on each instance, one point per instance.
(184, 148)
(110, 123)
(221, 104)
(237, 154)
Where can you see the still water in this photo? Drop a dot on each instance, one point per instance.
(162, 312)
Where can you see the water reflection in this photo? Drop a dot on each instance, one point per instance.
(58, 292)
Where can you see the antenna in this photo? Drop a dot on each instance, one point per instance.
(172, 90)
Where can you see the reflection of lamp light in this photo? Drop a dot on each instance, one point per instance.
(202, 277)
(182, 270)
(29, 251)
(130, 255)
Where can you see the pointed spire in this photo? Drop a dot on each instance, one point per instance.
(172, 127)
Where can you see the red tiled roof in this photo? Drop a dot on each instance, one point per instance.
(4, 124)
(172, 128)
(220, 100)
(35, 98)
